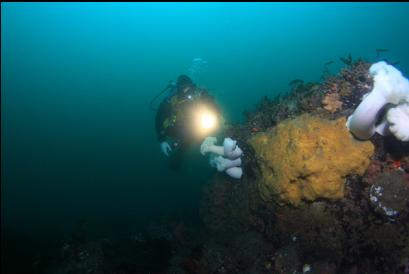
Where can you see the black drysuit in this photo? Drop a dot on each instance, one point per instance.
(171, 121)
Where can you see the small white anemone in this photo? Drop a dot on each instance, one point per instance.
(398, 119)
(231, 150)
(222, 163)
(235, 172)
(208, 145)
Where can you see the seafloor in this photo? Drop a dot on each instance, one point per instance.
(250, 226)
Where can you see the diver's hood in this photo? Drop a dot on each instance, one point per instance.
(184, 80)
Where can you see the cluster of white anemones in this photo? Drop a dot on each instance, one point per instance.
(224, 158)
(390, 94)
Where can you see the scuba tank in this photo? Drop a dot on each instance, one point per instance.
(171, 84)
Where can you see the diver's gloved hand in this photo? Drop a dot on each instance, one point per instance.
(165, 148)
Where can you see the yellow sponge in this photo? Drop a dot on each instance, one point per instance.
(308, 158)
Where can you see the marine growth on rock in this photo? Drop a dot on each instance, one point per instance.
(308, 158)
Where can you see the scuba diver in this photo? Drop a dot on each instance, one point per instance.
(185, 117)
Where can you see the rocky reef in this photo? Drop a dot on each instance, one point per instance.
(389, 195)
(314, 198)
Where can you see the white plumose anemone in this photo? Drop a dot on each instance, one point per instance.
(398, 120)
(231, 161)
(390, 87)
